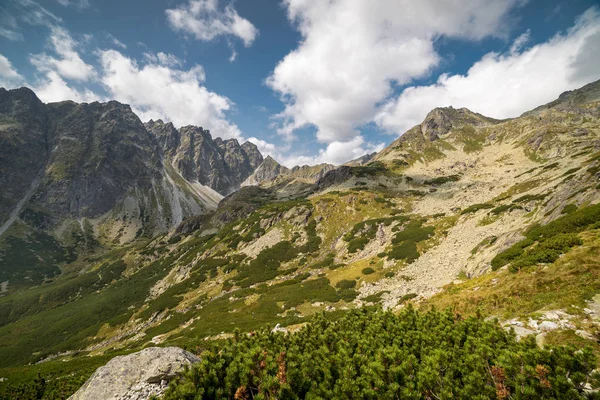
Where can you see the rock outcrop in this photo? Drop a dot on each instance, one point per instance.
(270, 173)
(267, 171)
(219, 164)
(136, 376)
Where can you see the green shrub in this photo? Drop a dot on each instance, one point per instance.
(375, 298)
(551, 166)
(389, 274)
(347, 294)
(357, 244)
(505, 207)
(378, 355)
(569, 208)
(327, 261)
(544, 244)
(368, 271)
(442, 179)
(531, 197)
(407, 297)
(404, 251)
(346, 284)
(572, 171)
(476, 207)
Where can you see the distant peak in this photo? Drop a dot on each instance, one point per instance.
(270, 160)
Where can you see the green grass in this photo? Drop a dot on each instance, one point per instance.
(266, 264)
(565, 284)
(29, 258)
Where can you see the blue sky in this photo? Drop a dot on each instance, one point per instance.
(308, 81)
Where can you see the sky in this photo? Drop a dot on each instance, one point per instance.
(307, 81)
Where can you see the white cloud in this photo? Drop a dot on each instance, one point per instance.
(53, 88)
(353, 51)
(116, 41)
(335, 153)
(9, 27)
(76, 3)
(11, 35)
(265, 148)
(205, 21)
(503, 85)
(157, 91)
(68, 64)
(168, 60)
(9, 77)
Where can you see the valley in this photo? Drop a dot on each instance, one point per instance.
(128, 235)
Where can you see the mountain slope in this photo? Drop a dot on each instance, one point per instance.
(462, 210)
(78, 178)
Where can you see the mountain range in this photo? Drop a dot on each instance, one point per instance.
(116, 234)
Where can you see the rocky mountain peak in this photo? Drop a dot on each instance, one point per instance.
(221, 164)
(254, 156)
(268, 170)
(442, 120)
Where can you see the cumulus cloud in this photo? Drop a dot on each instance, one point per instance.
(205, 21)
(9, 77)
(68, 63)
(353, 52)
(54, 88)
(157, 91)
(503, 85)
(335, 153)
(265, 148)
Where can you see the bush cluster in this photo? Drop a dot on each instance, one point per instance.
(405, 241)
(544, 244)
(379, 355)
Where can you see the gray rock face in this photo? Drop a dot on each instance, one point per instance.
(267, 171)
(220, 164)
(136, 376)
(99, 152)
(334, 177)
(270, 174)
(23, 132)
(82, 174)
(442, 120)
(66, 161)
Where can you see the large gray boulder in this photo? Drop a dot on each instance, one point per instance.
(136, 376)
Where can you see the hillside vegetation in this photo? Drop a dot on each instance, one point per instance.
(485, 217)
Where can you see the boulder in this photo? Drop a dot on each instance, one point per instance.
(136, 376)
(547, 326)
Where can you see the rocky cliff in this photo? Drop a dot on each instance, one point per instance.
(75, 176)
(219, 164)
